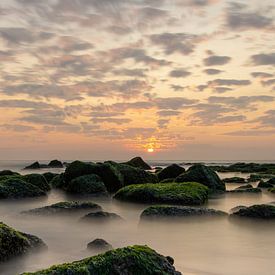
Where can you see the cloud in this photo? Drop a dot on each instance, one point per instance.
(261, 75)
(173, 103)
(17, 127)
(214, 60)
(114, 120)
(268, 82)
(177, 88)
(212, 71)
(179, 73)
(168, 113)
(253, 132)
(267, 120)
(263, 59)
(24, 104)
(229, 82)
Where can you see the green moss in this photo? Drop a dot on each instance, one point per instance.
(260, 211)
(189, 193)
(38, 180)
(171, 171)
(13, 243)
(16, 187)
(272, 190)
(58, 181)
(138, 162)
(49, 176)
(134, 260)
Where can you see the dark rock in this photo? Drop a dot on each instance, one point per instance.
(261, 211)
(167, 180)
(138, 162)
(55, 164)
(271, 181)
(246, 190)
(132, 260)
(189, 193)
(171, 171)
(38, 180)
(35, 165)
(263, 184)
(87, 184)
(272, 190)
(159, 212)
(58, 181)
(247, 186)
(99, 245)
(63, 208)
(14, 243)
(234, 180)
(247, 168)
(101, 216)
(15, 187)
(237, 208)
(8, 173)
(49, 176)
(204, 175)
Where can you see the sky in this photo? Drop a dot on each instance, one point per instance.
(111, 79)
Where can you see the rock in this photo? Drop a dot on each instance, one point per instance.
(132, 175)
(159, 212)
(111, 177)
(172, 171)
(8, 173)
(14, 243)
(167, 180)
(237, 208)
(245, 190)
(15, 187)
(132, 260)
(260, 211)
(99, 245)
(176, 193)
(58, 181)
(272, 190)
(38, 180)
(234, 180)
(247, 186)
(138, 162)
(49, 176)
(88, 184)
(204, 175)
(271, 181)
(101, 216)
(263, 184)
(55, 164)
(64, 208)
(35, 165)
(247, 168)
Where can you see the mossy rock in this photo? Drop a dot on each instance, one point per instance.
(188, 193)
(14, 243)
(64, 208)
(58, 181)
(88, 184)
(246, 186)
(234, 180)
(55, 164)
(111, 177)
(138, 162)
(271, 181)
(101, 216)
(167, 180)
(260, 211)
(245, 190)
(15, 187)
(171, 171)
(247, 168)
(49, 176)
(38, 180)
(133, 260)
(264, 184)
(165, 211)
(204, 175)
(99, 245)
(8, 173)
(272, 190)
(132, 175)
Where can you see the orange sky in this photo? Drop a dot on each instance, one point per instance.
(108, 79)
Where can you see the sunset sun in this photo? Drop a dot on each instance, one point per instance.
(150, 150)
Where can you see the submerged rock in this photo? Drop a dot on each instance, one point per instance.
(245, 190)
(38, 180)
(264, 184)
(88, 184)
(101, 216)
(15, 187)
(55, 164)
(234, 180)
(132, 260)
(158, 212)
(247, 168)
(204, 175)
(63, 208)
(99, 245)
(14, 243)
(260, 211)
(138, 162)
(188, 193)
(170, 172)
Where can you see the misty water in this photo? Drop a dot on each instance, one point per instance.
(199, 246)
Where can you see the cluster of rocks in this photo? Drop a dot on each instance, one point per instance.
(52, 164)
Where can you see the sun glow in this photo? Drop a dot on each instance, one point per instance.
(150, 150)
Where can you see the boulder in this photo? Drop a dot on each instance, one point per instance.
(167, 180)
(246, 186)
(49, 176)
(55, 164)
(15, 187)
(234, 180)
(245, 190)
(64, 208)
(271, 181)
(188, 193)
(159, 212)
(101, 216)
(272, 190)
(38, 180)
(132, 260)
(35, 165)
(260, 211)
(264, 184)
(99, 245)
(8, 173)
(171, 171)
(138, 162)
(14, 243)
(58, 181)
(204, 175)
(87, 184)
